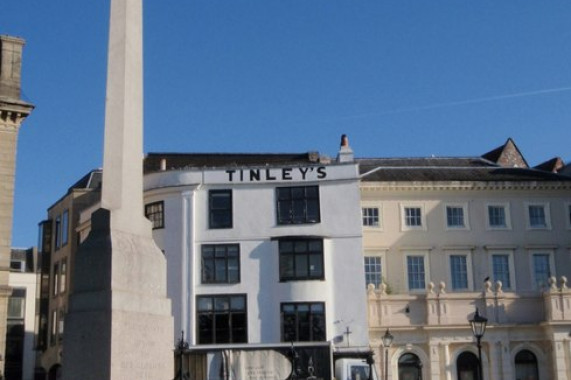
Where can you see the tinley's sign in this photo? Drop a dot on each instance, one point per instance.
(308, 173)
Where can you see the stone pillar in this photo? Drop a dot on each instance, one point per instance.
(447, 362)
(13, 111)
(507, 367)
(119, 323)
(559, 362)
(434, 361)
(495, 361)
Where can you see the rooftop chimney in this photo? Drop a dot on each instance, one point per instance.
(345, 152)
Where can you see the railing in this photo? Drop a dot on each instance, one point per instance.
(437, 307)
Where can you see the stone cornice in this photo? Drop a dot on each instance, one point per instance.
(13, 113)
(464, 185)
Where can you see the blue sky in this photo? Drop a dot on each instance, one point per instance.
(401, 78)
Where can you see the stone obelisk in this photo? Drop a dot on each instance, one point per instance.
(119, 323)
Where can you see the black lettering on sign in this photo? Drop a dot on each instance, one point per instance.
(286, 173)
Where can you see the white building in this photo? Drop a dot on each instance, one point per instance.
(263, 250)
(444, 236)
(21, 315)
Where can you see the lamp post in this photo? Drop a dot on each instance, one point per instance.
(387, 341)
(370, 361)
(478, 324)
(293, 357)
(181, 347)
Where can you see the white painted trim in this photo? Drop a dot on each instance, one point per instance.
(506, 206)
(464, 207)
(539, 251)
(425, 256)
(469, 269)
(403, 226)
(377, 205)
(382, 255)
(546, 210)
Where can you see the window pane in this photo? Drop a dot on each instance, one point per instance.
(413, 216)
(297, 205)
(16, 307)
(220, 208)
(287, 266)
(221, 303)
(222, 323)
(455, 216)
(501, 270)
(373, 271)
(64, 227)
(459, 271)
(205, 331)
(303, 322)
(220, 263)
(205, 303)
(497, 216)
(315, 265)
(370, 216)
(239, 328)
(301, 259)
(542, 270)
(154, 212)
(238, 303)
(226, 324)
(416, 275)
(537, 216)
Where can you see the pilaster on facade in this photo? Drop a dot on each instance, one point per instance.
(435, 362)
(560, 351)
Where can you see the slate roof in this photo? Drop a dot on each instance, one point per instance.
(448, 169)
(91, 180)
(174, 161)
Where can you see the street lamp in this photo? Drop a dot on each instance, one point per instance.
(478, 324)
(181, 347)
(387, 341)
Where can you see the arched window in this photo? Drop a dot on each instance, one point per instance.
(410, 367)
(467, 366)
(526, 366)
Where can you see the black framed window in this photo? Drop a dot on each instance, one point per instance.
(298, 205)
(155, 213)
(57, 233)
(222, 319)
(220, 209)
(65, 227)
(220, 263)
(301, 259)
(303, 322)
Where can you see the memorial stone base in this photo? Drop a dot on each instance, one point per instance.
(119, 323)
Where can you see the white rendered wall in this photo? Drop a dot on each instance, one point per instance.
(185, 196)
(29, 282)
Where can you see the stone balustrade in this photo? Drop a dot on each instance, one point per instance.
(437, 307)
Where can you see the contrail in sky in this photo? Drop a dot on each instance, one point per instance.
(459, 103)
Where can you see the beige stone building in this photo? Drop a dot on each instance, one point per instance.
(444, 236)
(13, 111)
(59, 242)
